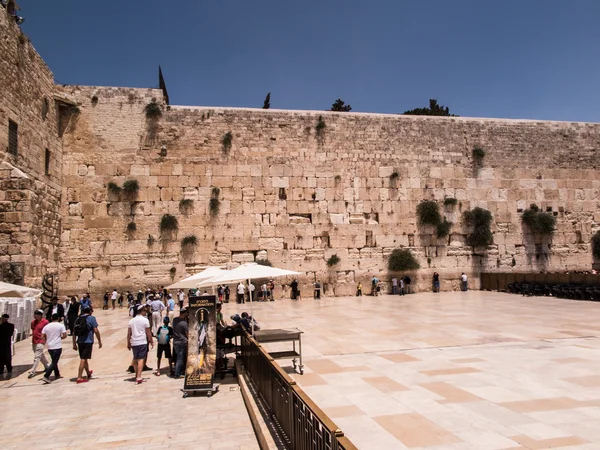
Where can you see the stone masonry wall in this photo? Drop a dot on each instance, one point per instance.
(29, 199)
(296, 194)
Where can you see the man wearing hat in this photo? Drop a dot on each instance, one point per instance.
(37, 341)
(138, 338)
(180, 341)
(6, 333)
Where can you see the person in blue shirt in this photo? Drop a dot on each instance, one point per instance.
(86, 302)
(83, 340)
(171, 308)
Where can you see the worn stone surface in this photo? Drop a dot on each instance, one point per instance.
(285, 190)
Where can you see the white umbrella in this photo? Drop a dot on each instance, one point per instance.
(13, 290)
(247, 272)
(192, 281)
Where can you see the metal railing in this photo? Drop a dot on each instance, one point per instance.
(500, 281)
(302, 424)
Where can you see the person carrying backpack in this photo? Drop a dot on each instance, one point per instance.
(86, 326)
(163, 336)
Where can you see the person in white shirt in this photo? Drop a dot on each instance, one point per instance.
(138, 338)
(463, 282)
(53, 334)
(181, 297)
(265, 292)
(157, 308)
(113, 297)
(241, 289)
(251, 292)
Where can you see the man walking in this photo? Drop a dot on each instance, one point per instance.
(53, 334)
(138, 338)
(73, 313)
(170, 308)
(463, 282)
(7, 330)
(37, 341)
(181, 298)
(86, 326)
(394, 285)
(180, 341)
(157, 308)
(163, 339)
(55, 308)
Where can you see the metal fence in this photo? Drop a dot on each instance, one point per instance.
(500, 281)
(301, 422)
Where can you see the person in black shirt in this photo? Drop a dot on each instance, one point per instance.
(73, 313)
(180, 341)
(436, 282)
(6, 332)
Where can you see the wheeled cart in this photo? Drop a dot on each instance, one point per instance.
(293, 335)
(208, 391)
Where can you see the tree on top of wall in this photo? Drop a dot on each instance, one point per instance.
(267, 102)
(340, 106)
(434, 109)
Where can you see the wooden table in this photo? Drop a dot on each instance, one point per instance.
(292, 335)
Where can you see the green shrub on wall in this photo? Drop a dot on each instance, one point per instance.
(480, 220)
(114, 188)
(450, 201)
(428, 213)
(333, 260)
(226, 142)
(131, 227)
(596, 245)
(539, 222)
(131, 188)
(443, 228)
(401, 260)
(152, 110)
(168, 223)
(189, 241)
(186, 205)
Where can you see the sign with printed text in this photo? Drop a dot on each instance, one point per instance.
(202, 343)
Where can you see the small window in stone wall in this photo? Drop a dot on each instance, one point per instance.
(13, 138)
(47, 162)
(45, 107)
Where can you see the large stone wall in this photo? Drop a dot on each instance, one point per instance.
(288, 189)
(296, 195)
(29, 199)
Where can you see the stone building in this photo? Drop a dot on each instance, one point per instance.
(293, 187)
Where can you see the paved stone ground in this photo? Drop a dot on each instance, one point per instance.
(475, 370)
(110, 411)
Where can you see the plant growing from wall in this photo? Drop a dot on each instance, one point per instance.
(215, 204)
(478, 155)
(168, 223)
(74, 110)
(153, 110)
(131, 189)
(428, 213)
(539, 222)
(333, 260)
(267, 102)
(94, 100)
(186, 205)
(480, 220)
(114, 189)
(443, 228)
(401, 260)
(596, 245)
(450, 201)
(394, 176)
(131, 227)
(150, 241)
(264, 262)
(320, 127)
(172, 272)
(226, 142)
(337, 180)
(188, 242)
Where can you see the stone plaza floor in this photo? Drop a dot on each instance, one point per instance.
(476, 370)
(111, 411)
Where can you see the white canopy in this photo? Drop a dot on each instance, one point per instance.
(191, 282)
(247, 272)
(15, 291)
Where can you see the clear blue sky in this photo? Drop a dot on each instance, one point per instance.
(510, 58)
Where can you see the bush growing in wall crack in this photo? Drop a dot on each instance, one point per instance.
(428, 213)
(450, 201)
(401, 260)
(226, 142)
(131, 227)
(215, 204)
(186, 205)
(152, 110)
(188, 242)
(131, 189)
(114, 188)
(333, 260)
(480, 220)
(168, 223)
(443, 228)
(539, 222)
(320, 127)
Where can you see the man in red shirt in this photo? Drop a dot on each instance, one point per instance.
(37, 341)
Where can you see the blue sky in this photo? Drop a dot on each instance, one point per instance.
(511, 58)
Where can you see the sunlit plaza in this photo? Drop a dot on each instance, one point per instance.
(476, 370)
